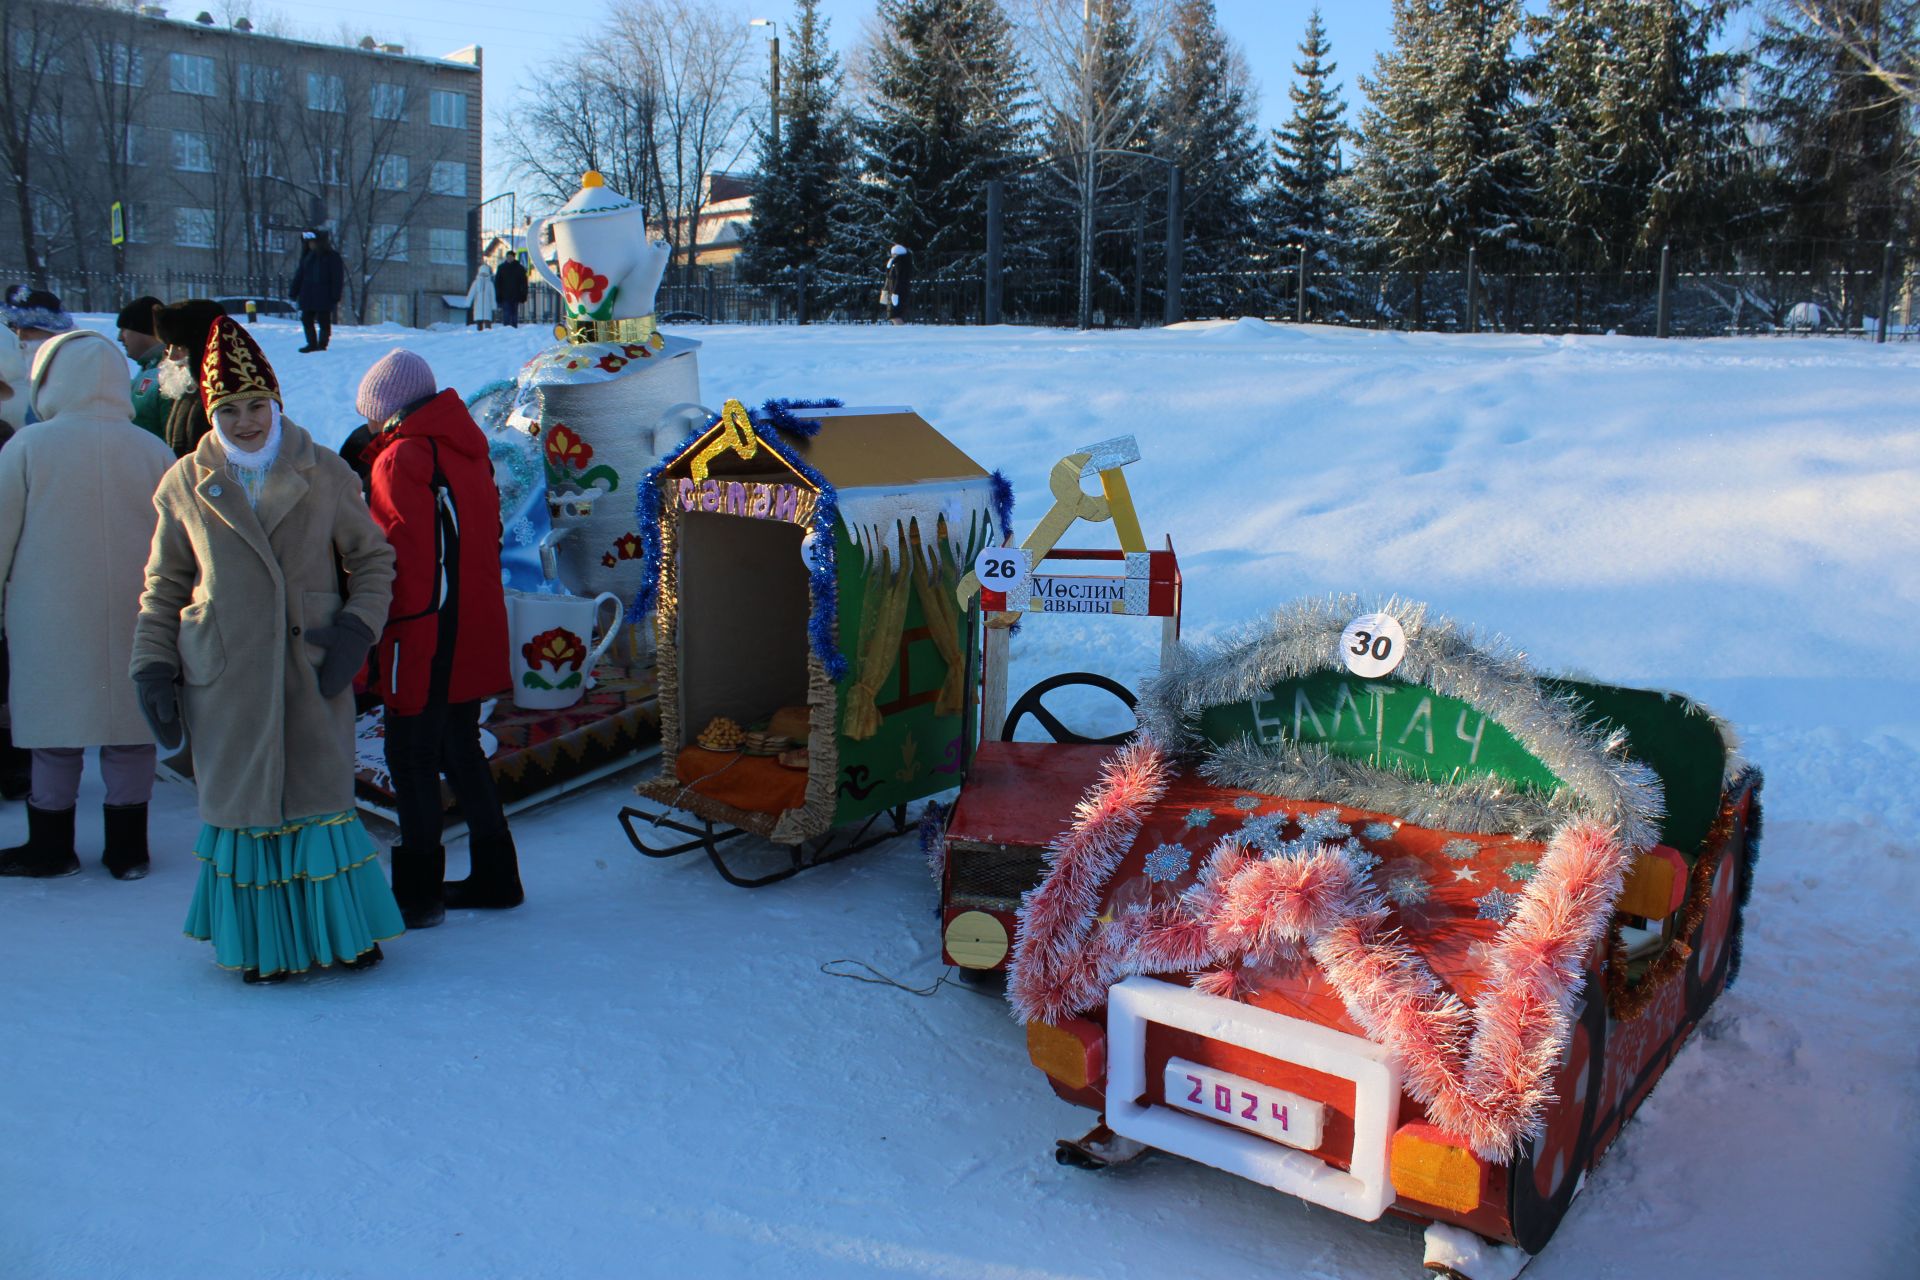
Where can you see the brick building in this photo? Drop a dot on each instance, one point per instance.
(221, 144)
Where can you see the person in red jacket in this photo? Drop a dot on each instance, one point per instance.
(444, 649)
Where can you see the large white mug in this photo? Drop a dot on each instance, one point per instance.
(551, 650)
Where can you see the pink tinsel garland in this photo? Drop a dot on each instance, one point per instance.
(1481, 1073)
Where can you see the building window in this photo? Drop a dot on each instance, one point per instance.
(190, 73)
(447, 246)
(138, 219)
(449, 109)
(192, 153)
(271, 239)
(50, 132)
(390, 173)
(256, 84)
(449, 178)
(120, 64)
(390, 241)
(389, 101)
(326, 166)
(133, 150)
(193, 228)
(388, 308)
(325, 92)
(260, 159)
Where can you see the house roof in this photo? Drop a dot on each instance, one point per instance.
(856, 449)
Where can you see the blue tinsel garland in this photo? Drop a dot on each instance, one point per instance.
(779, 415)
(825, 519)
(1003, 504)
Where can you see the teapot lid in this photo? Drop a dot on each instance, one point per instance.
(595, 196)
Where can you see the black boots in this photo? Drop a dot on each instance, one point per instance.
(493, 880)
(16, 767)
(417, 876)
(126, 840)
(49, 847)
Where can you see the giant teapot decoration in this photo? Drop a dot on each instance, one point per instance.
(609, 270)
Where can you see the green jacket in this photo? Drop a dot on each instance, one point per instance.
(149, 406)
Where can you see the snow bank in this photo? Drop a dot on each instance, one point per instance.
(644, 1071)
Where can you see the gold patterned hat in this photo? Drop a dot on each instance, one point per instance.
(235, 368)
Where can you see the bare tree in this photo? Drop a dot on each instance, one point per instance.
(1093, 60)
(35, 49)
(653, 102)
(246, 124)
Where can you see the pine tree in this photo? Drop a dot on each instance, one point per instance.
(801, 172)
(1842, 137)
(1443, 163)
(1636, 145)
(1203, 122)
(949, 104)
(1305, 201)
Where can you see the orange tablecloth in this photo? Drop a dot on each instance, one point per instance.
(758, 784)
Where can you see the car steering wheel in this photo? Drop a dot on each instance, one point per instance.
(1030, 705)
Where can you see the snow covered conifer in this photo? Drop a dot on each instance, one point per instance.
(1305, 202)
(800, 174)
(1203, 122)
(947, 113)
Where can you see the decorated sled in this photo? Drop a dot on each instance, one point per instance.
(1008, 809)
(1419, 939)
(812, 657)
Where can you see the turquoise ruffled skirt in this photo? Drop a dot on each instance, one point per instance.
(284, 899)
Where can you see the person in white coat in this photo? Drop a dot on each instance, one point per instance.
(16, 765)
(481, 298)
(76, 525)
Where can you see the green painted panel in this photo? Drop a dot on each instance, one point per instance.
(916, 753)
(1678, 742)
(1391, 723)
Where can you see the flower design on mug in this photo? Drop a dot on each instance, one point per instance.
(627, 546)
(578, 281)
(554, 649)
(611, 362)
(566, 450)
(606, 558)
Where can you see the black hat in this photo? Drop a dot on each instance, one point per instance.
(137, 316)
(186, 324)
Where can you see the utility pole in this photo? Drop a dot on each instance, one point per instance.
(773, 75)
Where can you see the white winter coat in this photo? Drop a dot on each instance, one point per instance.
(480, 296)
(76, 523)
(13, 372)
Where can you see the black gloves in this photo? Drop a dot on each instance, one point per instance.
(160, 703)
(347, 642)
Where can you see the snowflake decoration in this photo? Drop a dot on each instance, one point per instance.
(1168, 862)
(1523, 871)
(1378, 831)
(1198, 818)
(1265, 831)
(520, 532)
(1324, 825)
(1459, 850)
(1247, 803)
(1408, 890)
(1360, 858)
(1497, 904)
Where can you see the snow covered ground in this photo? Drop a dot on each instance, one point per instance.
(645, 1071)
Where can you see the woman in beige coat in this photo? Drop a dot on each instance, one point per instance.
(76, 518)
(244, 635)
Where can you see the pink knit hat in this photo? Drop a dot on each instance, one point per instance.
(398, 379)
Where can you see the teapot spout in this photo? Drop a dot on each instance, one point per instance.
(643, 282)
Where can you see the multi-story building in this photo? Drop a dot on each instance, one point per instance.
(220, 145)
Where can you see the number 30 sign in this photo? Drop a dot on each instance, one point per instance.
(1372, 645)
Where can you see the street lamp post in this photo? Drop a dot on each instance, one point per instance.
(773, 73)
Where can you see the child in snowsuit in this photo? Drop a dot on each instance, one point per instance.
(244, 638)
(76, 519)
(445, 645)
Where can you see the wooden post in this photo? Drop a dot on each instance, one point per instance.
(1300, 303)
(993, 682)
(1662, 315)
(1176, 242)
(1473, 289)
(1886, 293)
(996, 202)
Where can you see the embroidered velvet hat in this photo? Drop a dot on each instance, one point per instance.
(234, 368)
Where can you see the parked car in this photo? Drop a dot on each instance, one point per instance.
(1418, 943)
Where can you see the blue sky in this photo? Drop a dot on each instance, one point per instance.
(517, 40)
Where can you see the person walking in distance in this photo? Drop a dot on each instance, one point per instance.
(319, 282)
(898, 291)
(76, 519)
(249, 640)
(146, 351)
(481, 295)
(445, 646)
(510, 287)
